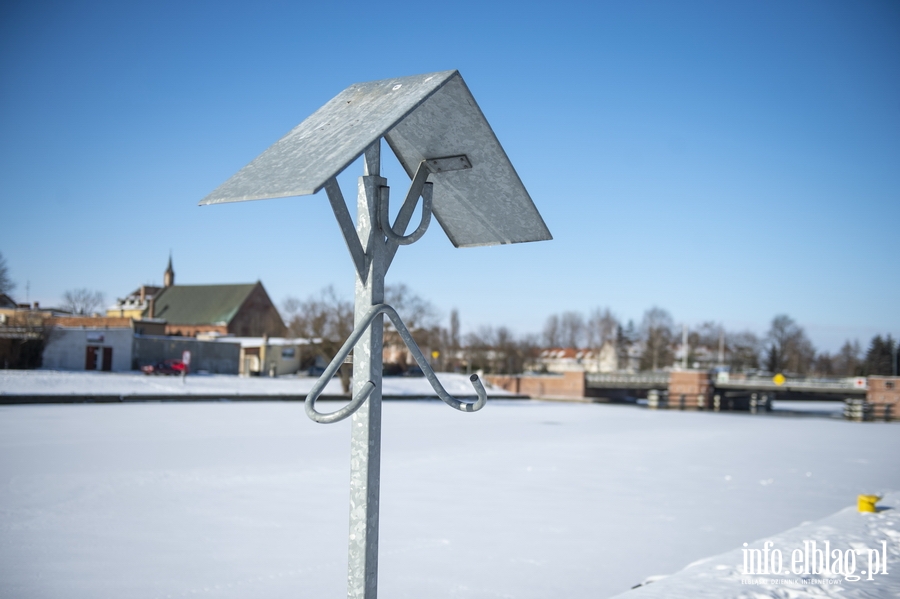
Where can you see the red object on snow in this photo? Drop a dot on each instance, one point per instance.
(166, 367)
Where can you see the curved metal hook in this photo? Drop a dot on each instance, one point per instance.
(316, 391)
(367, 389)
(417, 188)
(429, 371)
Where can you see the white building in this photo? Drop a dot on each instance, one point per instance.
(569, 359)
(270, 356)
(83, 348)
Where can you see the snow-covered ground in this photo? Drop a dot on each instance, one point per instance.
(523, 499)
(54, 382)
(801, 407)
(848, 554)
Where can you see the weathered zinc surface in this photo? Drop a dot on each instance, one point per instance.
(464, 179)
(421, 117)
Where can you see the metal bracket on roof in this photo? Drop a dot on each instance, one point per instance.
(449, 163)
(419, 187)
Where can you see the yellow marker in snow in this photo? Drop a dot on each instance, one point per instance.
(779, 379)
(866, 503)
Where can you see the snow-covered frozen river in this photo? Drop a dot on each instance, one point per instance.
(523, 499)
(69, 383)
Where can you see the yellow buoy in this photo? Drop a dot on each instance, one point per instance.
(866, 503)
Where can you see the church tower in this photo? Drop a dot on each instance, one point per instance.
(169, 275)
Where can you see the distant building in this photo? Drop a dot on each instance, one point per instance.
(93, 342)
(169, 275)
(271, 356)
(135, 304)
(22, 331)
(699, 357)
(114, 344)
(395, 354)
(243, 310)
(570, 359)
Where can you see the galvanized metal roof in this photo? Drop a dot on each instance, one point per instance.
(421, 117)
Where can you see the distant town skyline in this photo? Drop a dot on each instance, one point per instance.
(723, 162)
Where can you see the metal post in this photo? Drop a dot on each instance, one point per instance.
(722, 347)
(310, 158)
(365, 437)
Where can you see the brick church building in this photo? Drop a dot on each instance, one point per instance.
(242, 310)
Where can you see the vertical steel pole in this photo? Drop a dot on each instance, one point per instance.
(365, 438)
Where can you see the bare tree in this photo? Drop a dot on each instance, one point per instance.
(449, 345)
(509, 357)
(823, 364)
(742, 351)
(704, 343)
(6, 284)
(326, 317)
(602, 326)
(656, 331)
(551, 331)
(499, 350)
(847, 361)
(565, 330)
(787, 347)
(454, 329)
(626, 338)
(416, 312)
(572, 329)
(708, 334)
(478, 349)
(82, 301)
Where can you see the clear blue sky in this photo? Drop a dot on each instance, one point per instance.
(726, 161)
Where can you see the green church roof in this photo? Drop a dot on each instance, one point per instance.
(201, 304)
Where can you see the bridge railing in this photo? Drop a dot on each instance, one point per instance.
(798, 384)
(660, 380)
(615, 379)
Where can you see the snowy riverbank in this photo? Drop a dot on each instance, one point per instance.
(848, 555)
(522, 499)
(53, 382)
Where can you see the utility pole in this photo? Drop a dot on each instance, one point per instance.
(722, 347)
(455, 161)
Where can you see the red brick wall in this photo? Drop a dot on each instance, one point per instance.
(695, 385)
(107, 322)
(191, 330)
(568, 384)
(883, 389)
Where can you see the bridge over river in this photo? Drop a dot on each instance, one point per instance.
(623, 385)
(873, 397)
